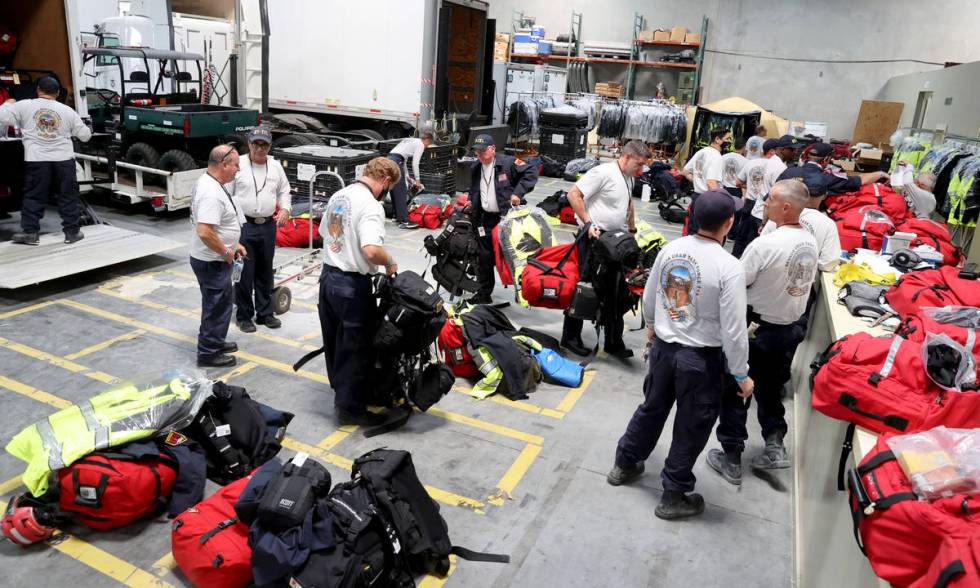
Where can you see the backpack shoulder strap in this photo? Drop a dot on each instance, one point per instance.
(470, 555)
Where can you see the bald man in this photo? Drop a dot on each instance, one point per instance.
(780, 267)
(215, 247)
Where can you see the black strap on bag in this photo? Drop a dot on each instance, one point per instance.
(845, 451)
(955, 568)
(470, 555)
(306, 358)
(221, 527)
(893, 421)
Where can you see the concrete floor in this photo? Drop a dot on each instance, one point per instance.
(524, 478)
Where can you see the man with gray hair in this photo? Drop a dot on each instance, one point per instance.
(918, 194)
(215, 248)
(780, 267)
(414, 148)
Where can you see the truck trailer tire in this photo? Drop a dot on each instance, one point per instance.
(395, 130)
(291, 141)
(239, 139)
(145, 155)
(370, 133)
(176, 160)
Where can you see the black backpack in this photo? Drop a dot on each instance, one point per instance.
(456, 252)
(412, 314)
(618, 247)
(389, 475)
(551, 167)
(237, 433)
(552, 205)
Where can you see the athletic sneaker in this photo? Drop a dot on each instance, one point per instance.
(773, 457)
(619, 476)
(407, 225)
(720, 462)
(677, 505)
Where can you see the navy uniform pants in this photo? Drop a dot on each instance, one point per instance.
(691, 377)
(347, 310)
(771, 353)
(41, 179)
(487, 259)
(214, 278)
(257, 274)
(399, 191)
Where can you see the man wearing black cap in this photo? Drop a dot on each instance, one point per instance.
(261, 190)
(816, 162)
(497, 182)
(780, 268)
(694, 305)
(47, 127)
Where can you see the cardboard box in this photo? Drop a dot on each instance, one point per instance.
(646, 36)
(845, 164)
(692, 38)
(501, 51)
(609, 89)
(503, 37)
(661, 35)
(677, 34)
(869, 155)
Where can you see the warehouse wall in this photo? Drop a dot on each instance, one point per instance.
(957, 84)
(828, 30)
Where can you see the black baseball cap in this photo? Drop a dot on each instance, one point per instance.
(791, 142)
(48, 85)
(715, 206)
(770, 144)
(482, 142)
(821, 149)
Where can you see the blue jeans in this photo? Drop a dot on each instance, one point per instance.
(347, 310)
(214, 278)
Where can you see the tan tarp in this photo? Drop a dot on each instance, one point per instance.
(775, 125)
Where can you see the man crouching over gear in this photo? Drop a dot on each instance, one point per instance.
(353, 231)
(602, 202)
(694, 305)
(497, 182)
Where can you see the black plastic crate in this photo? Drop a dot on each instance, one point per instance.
(444, 183)
(563, 144)
(563, 120)
(303, 160)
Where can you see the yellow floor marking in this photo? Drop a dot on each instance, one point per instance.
(486, 426)
(10, 485)
(106, 344)
(336, 437)
(341, 462)
(197, 315)
(514, 474)
(297, 303)
(54, 360)
(263, 361)
(525, 406)
(304, 305)
(26, 309)
(238, 371)
(164, 565)
(311, 335)
(431, 581)
(33, 393)
(574, 394)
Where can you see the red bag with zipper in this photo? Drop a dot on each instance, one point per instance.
(864, 228)
(879, 196)
(937, 287)
(548, 280)
(452, 345)
(935, 235)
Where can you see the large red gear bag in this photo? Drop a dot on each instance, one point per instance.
(935, 235)
(864, 228)
(907, 541)
(549, 279)
(938, 287)
(107, 490)
(455, 354)
(881, 384)
(879, 196)
(210, 544)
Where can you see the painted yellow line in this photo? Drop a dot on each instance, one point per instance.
(311, 335)
(514, 474)
(190, 276)
(520, 405)
(486, 426)
(10, 485)
(33, 393)
(263, 361)
(336, 437)
(57, 361)
(197, 315)
(106, 344)
(431, 581)
(574, 394)
(164, 565)
(26, 309)
(304, 305)
(238, 371)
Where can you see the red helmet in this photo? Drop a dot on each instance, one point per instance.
(22, 524)
(636, 280)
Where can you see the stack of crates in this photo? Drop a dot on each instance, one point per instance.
(302, 161)
(438, 169)
(563, 144)
(685, 87)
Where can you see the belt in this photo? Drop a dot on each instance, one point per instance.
(258, 220)
(337, 270)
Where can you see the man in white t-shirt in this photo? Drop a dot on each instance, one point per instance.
(754, 146)
(215, 247)
(47, 127)
(353, 231)
(756, 178)
(732, 163)
(705, 171)
(412, 148)
(780, 268)
(821, 226)
(261, 190)
(602, 201)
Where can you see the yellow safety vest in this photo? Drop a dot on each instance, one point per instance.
(521, 227)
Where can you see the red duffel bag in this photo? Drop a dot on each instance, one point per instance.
(881, 384)
(567, 215)
(210, 544)
(864, 228)
(935, 235)
(452, 345)
(503, 269)
(108, 490)
(937, 287)
(916, 326)
(877, 195)
(549, 279)
(909, 542)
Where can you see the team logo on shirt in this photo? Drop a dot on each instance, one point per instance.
(731, 170)
(757, 176)
(47, 122)
(801, 268)
(680, 284)
(338, 221)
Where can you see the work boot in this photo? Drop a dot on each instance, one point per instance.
(246, 326)
(726, 466)
(26, 238)
(619, 475)
(480, 299)
(773, 457)
(73, 236)
(362, 418)
(269, 321)
(620, 351)
(677, 505)
(576, 346)
(217, 360)
(229, 347)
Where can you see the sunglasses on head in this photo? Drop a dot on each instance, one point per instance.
(233, 146)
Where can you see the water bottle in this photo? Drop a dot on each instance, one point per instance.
(236, 271)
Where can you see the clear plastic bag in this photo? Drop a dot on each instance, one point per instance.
(941, 462)
(967, 317)
(947, 363)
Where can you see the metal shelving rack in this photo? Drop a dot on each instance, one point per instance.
(695, 67)
(639, 25)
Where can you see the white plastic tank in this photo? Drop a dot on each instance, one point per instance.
(132, 30)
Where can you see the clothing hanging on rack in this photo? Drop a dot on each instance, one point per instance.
(522, 117)
(650, 122)
(911, 149)
(963, 195)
